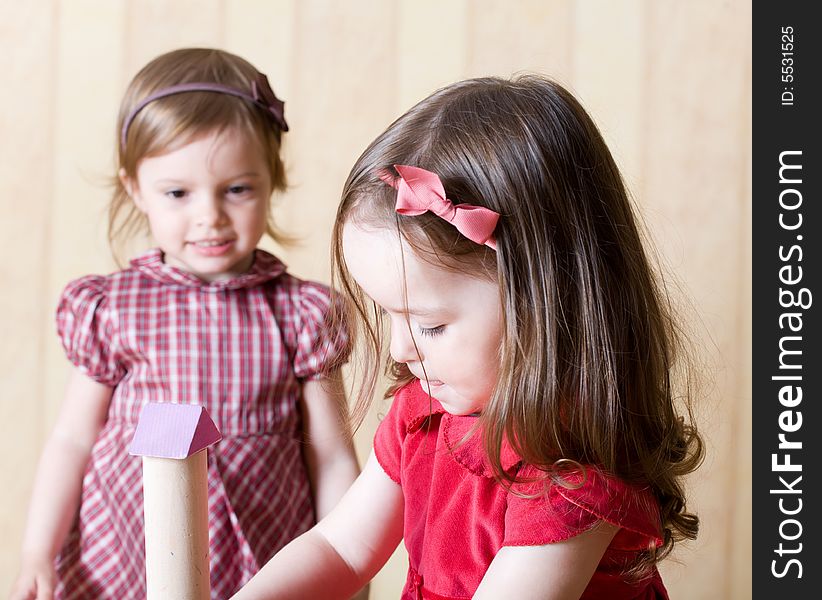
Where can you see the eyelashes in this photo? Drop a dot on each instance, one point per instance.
(432, 331)
(424, 331)
(238, 189)
(235, 192)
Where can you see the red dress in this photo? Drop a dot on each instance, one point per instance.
(457, 516)
(239, 347)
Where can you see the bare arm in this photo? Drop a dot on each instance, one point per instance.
(58, 483)
(343, 551)
(558, 571)
(329, 451)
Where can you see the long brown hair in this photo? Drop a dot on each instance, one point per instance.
(173, 121)
(591, 348)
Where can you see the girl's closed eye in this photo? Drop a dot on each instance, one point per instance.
(424, 331)
(431, 331)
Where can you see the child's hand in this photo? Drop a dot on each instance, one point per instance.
(35, 582)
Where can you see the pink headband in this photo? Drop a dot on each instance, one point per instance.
(261, 94)
(420, 191)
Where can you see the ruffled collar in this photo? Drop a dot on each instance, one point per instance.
(461, 433)
(264, 268)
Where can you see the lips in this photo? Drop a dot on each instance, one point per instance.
(431, 382)
(416, 371)
(212, 247)
(210, 243)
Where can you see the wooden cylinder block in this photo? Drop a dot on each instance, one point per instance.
(175, 495)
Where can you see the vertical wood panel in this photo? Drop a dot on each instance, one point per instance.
(432, 47)
(26, 119)
(343, 95)
(697, 84)
(521, 35)
(87, 95)
(262, 32)
(607, 76)
(741, 537)
(157, 26)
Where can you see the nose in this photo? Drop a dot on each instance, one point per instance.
(210, 211)
(402, 347)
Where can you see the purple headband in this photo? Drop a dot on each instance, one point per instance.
(261, 94)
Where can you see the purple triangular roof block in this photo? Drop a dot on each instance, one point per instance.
(168, 430)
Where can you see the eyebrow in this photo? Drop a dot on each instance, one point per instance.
(247, 174)
(419, 311)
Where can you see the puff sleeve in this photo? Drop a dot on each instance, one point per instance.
(319, 347)
(552, 512)
(391, 433)
(86, 329)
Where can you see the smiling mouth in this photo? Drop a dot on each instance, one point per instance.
(211, 243)
(212, 247)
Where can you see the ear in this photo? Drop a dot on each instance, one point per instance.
(131, 188)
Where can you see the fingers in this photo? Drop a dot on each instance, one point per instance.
(23, 591)
(34, 588)
(45, 588)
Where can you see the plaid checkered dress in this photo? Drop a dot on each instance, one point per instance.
(239, 347)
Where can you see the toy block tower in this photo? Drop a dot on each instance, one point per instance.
(172, 439)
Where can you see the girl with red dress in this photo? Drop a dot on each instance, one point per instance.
(537, 439)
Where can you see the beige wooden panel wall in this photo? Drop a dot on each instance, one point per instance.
(669, 83)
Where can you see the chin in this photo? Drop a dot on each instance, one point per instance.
(457, 406)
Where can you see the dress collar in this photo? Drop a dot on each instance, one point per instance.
(460, 433)
(264, 268)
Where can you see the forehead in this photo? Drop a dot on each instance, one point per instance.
(385, 267)
(216, 151)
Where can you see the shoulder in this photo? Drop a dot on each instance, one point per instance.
(299, 304)
(105, 289)
(574, 502)
(302, 291)
(314, 298)
(288, 288)
(86, 292)
(107, 295)
(302, 306)
(87, 326)
(87, 285)
(315, 333)
(410, 410)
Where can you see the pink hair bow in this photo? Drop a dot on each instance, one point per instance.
(420, 191)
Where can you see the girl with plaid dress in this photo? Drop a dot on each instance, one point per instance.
(205, 318)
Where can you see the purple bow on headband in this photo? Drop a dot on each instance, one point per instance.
(265, 98)
(420, 191)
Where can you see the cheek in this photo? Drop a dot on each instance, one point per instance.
(253, 218)
(491, 353)
(158, 224)
(488, 349)
(166, 237)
